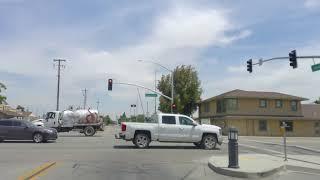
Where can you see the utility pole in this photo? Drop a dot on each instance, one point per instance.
(155, 88)
(58, 88)
(98, 102)
(85, 98)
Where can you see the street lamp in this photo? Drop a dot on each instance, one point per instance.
(172, 73)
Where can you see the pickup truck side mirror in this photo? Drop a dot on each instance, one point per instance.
(194, 124)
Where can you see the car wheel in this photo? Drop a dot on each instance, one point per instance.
(89, 131)
(142, 140)
(37, 138)
(209, 142)
(197, 144)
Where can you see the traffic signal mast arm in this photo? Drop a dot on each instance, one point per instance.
(298, 57)
(136, 85)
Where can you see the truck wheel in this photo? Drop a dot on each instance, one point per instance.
(37, 138)
(89, 131)
(209, 142)
(141, 140)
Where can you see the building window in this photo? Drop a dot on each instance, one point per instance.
(316, 124)
(278, 103)
(289, 125)
(232, 104)
(221, 106)
(263, 125)
(263, 103)
(294, 105)
(207, 107)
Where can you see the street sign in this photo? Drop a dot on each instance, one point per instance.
(315, 67)
(151, 95)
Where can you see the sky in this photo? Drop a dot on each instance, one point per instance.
(102, 39)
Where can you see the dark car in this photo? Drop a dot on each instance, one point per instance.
(15, 129)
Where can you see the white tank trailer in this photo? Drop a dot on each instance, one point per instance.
(87, 121)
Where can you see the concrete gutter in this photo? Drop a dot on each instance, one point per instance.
(294, 146)
(252, 166)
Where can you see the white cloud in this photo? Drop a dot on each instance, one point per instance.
(176, 37)
(312, 4)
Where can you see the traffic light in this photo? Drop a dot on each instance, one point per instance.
(293, 59)
(110, 85)
(174, 106)
(249, 65)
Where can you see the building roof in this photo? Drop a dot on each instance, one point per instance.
(311, 111)
(237, 93)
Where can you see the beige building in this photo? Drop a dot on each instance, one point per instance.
(8, 112)
(261, 113)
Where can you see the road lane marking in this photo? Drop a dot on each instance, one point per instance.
(31, 175)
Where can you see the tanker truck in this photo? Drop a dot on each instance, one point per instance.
(87, 121)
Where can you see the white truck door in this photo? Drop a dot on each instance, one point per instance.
(168, 129)
(187, 129)
(51, 119)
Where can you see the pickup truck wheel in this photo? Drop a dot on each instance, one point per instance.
(141, 140)
(209, 142)
(89, 131)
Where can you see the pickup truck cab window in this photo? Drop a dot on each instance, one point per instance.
(185, 121)
(168, 120)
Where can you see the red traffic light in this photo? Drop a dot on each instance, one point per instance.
(174, 106)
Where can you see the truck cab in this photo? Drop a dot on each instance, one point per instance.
(52, 119)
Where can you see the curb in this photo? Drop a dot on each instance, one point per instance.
(32, 174)
(242, 174)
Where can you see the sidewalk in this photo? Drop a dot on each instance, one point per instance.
(261, 165)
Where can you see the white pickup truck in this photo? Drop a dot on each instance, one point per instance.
(171, 128)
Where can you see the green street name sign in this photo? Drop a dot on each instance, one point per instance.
(315, 67)
(151, 95)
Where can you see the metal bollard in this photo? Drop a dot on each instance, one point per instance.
(233, 148)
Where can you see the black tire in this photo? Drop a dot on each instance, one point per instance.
(141, 140)
(37, 138)
(89, 131)
(209, 142)
(197, 144)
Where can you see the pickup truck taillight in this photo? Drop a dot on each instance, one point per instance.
(123, 127)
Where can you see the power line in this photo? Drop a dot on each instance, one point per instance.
(58, 86)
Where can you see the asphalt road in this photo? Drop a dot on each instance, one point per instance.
(103, 157)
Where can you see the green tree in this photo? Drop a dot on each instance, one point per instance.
(187, 90)
(317, 101)
(107, 120)
(123, 118)
(2, 98)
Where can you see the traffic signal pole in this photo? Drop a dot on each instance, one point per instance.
(140, 86)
